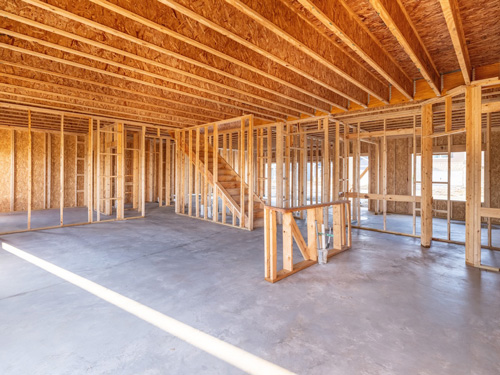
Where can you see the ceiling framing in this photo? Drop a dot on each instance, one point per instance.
(184, 63)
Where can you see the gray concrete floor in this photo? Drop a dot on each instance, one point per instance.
(385, 307)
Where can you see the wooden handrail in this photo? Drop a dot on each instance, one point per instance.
(303, 208)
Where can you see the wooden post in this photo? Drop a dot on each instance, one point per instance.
(426, 177)
(30, 170)
(12, 169)
(143, 172)
(205, 180)
(61, 174)
(135, 171)
(168, 173)
(487, 174)
(473, 176)
(190, 161)
(120, 171)
(98, 171)
(336, 162)
(287, 241)
(90, 180)
(160, 170)
(250, 169)
(197, 173)
(325, 193)
(215, 209)
(242, 172)
(279, 165)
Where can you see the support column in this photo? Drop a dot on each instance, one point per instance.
(473, 176)
(426, 177)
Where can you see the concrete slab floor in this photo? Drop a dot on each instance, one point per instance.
(385, 307)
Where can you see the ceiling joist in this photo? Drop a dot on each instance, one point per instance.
(399, 23)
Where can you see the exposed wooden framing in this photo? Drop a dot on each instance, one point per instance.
(61, 174)
(291, 232)
(451, 14)
(487, 174)
(269, 160)
(215, 209)
(384, 175)
(192, 42)
(168, 171)
(242, 173)
(473, 176)
(292, 29)
(414, 176)
(209, 96)
(250, 167)
(143, 172)
(30, 170)
(338, 18)
(197, 172)
(120, 172)
(90, 173)
(205, 180)
(12, 170)
(98, 171)
(352, 93)
(325, 193)
(426, 177)
(336, 168)
(49, 171)
(395, 17)
(448, 114)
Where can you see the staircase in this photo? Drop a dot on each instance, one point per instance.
(229, 184)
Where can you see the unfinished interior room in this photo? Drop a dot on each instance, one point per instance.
(249, 187)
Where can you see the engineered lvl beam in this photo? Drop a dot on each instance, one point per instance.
(169, 84)
(394, 15)
(296, 90)
(451, 14)
(234, 92)
(265, 44)
(286, 23)
(338, 18)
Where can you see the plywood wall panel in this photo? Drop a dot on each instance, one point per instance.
(55, 176)
(5, 168)
(69, 170)
(38, 174)
(21, 171)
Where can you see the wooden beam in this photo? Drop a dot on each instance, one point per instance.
(473, 176)
(394, 15)
(287, 24)
(346, 25)
(451, 14)
(12, 169)
(303, 93)
(30, 170)
(426, 177)
(90, 172)
(120, 172)
(61, 174)
(231, 28)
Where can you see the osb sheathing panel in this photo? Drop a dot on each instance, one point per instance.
(55, 175)
(495, 169)
(69, 170)
(373, 175)
(185, 26)
(402, 176)
(5, 168)
(21, 171)
(391, 165)
(38, 171)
